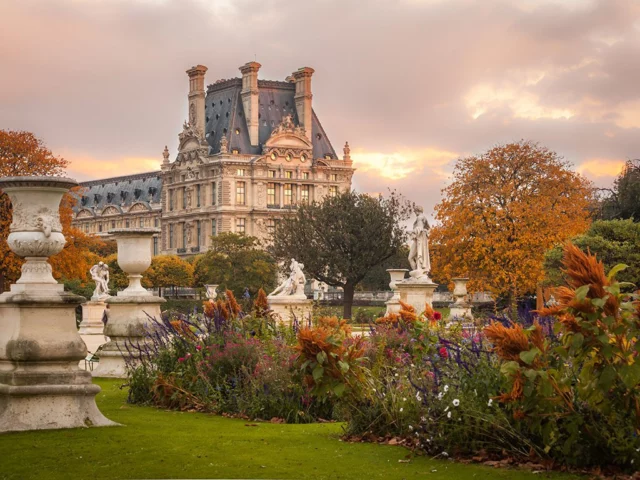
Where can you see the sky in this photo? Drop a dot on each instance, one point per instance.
(413, 85)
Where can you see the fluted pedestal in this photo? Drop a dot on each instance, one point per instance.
(417, 293)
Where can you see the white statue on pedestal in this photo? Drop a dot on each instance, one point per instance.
(100, 274)
(294, 285)
(419, 248)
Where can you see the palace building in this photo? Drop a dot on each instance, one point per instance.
(251, 151)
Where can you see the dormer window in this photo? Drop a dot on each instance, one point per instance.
(327, 156)
(273, 156)
(303, 158)
(235, 151)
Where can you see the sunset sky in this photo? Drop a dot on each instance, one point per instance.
(411, 84)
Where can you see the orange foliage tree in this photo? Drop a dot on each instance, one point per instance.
(23, 154)
(502, 212)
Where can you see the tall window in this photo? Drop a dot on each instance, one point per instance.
(240, 193)
(272, 174)
(271, 226)
(184, 235)
(141, 222)
(288, 194)
(113, 223)
(171, 235)
(213, 193)
(99, 227)
(305, 175)
(240, 172)
(214, 227)
(240, 227)
(333, 191)
(199, 232)
(334, 177)
(156, 222)
(126, 224)
(184, 197)
(271, 193)
(198, 195)
(171, 200)
(304, 194)
(288, 174)
(155, 246)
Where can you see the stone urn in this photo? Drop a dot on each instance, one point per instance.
(134, 257)
(460, 307)
(212, 291)
(41, 385)
(36, 232)
(397, 275)
(131, 311)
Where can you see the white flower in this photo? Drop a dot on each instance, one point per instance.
(401, 409)
(475, 391)
(490, 402)
(374, 390)
(418, 397)
(410, 428)
(396, 374)
(446, 388)
(456, 402)
(449, 415)
(404, 399)
(423, 419)
(445, 454)
(446, 409)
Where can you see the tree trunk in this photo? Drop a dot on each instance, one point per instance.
(349, 288)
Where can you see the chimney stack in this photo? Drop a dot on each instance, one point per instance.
(196, 97)
(303, 97)
(250, 102)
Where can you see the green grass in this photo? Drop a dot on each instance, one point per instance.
(154, 443)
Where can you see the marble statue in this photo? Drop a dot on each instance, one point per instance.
(294, 284)
(419, 248)
(100, 274)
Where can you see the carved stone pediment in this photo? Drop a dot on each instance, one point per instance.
(139, 207)
(287, 136)
(190, 138)
(85, 213)
(111, 210)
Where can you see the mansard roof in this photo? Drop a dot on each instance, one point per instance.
(224, 114)
(121, 191)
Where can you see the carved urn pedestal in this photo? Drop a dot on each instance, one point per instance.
(286, 307)
(41, 385)
(460, 309)
(91, 329)
(417, 290)
(397, 275)
(130, 312)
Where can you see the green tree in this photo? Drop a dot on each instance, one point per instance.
(378, 278)
(168, 271)
(623, 200)
(340, 239)
(236, 262)
(612, 241)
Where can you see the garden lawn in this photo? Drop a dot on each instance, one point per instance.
(165, 444)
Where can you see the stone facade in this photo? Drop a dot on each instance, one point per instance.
(250, 152)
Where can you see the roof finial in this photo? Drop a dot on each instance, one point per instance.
(165, 155)
(347, 152)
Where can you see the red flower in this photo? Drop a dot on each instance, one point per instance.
(198, 347)
(443, 352)
(437, 316)
(180, 360)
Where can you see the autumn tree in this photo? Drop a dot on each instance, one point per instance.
(236, 262)
(168, 271)
(340, 239)
(503, 210)
(21, 154)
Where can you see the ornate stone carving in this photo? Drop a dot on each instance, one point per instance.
(294, 284)
(34, 218)
(419, 248)
(224, 144)
(100, 275)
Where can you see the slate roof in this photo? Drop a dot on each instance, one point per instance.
(224, 114)
(121, 191)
